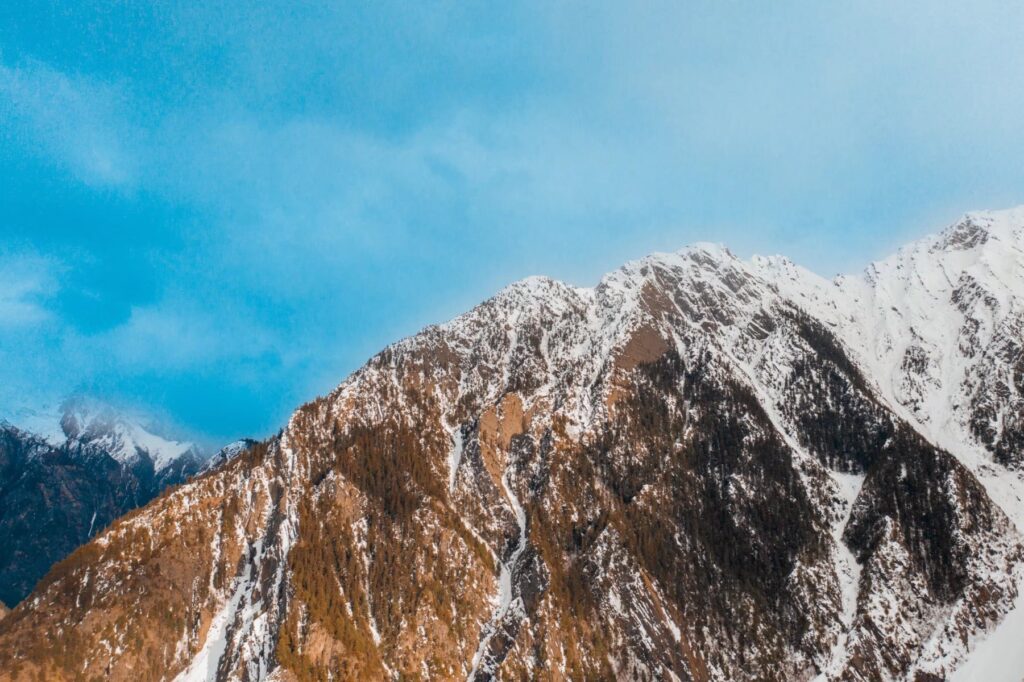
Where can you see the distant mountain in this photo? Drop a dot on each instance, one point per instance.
(228, 453)
(102, 427)
(703, 468)
(56, 493)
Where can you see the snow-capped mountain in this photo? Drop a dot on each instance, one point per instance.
(703, 468)
(940, 327)
(65, 475)
(90, 423)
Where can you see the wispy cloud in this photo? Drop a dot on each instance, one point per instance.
(265, 206)
(75, 121)
(27, 284)
(174, 335)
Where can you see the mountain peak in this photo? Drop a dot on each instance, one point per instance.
(534, 287)
(714, 250)
(87, 421)
(681, 472)
(971, 231)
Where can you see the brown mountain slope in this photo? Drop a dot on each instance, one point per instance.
(676, 475)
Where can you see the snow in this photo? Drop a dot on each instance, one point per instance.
(905, 304)
(204, 665)
(88, 421)
(226, 454)
(163, 452)
(454, 457)
(505, 593)
(244, 626)
(847, 570)
(43, 422)
(998, 657)
(939, 302)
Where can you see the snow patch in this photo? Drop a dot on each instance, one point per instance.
(847, 571)
(454, 457)
(204, 665)
(999, 656)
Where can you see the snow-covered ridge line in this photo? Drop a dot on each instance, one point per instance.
(88, 423)
(918, 326)
(684, 392)
(123, 437)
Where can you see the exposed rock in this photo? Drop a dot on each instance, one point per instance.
(699, 469)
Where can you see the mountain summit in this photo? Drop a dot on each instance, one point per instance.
(701, 468)
(93, 424)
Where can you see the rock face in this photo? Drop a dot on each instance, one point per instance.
(700, 469)
(56, 494)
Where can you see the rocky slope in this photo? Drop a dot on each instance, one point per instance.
(227, 453)
(58, 491)
(702, 468)
(939, 326)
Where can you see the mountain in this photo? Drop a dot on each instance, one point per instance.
(58, 491)
(228, 453)
(102, 427)
(940, 326)
(702, 468)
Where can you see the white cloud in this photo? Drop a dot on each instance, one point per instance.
(175, 335)
(74, 121)
(26, 284)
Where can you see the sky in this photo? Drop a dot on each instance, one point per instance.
(214, 212)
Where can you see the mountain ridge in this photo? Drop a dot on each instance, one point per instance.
(695, 469)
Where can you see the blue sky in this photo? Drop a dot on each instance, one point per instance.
(216, 213)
